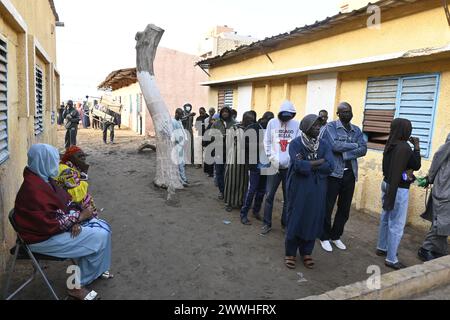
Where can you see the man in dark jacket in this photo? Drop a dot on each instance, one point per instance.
(72, 119)
(109, 125)
(254, 153)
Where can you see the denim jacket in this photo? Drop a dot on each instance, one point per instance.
(346, 145)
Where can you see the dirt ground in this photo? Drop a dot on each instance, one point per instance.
(188, 252)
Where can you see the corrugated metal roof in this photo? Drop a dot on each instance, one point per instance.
(52, 5)
(119, 79)
(269, 44)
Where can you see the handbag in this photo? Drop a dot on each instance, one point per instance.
(428, 214)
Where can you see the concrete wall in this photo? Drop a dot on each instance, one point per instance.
(25, 25)
(178, 80)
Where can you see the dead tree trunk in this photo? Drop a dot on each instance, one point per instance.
(167, 175)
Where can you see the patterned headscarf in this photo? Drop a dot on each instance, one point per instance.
(69, 153)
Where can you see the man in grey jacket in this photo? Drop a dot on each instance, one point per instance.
(72, 119)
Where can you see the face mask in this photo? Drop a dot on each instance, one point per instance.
(285, 117)
(346, 117)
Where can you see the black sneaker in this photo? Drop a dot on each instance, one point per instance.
(381, 253)
(246, 222)
(265, 229)
(395, 266)
(426, 255)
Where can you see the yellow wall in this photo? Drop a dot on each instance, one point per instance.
(421, 30)
(353, 89)
(38, 16)
(269, 95)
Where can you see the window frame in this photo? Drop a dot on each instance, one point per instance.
(401, 78)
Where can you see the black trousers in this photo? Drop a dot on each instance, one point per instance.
(342, 190)
(109, 126)
(71, 137)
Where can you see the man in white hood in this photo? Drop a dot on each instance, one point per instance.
(279, 134)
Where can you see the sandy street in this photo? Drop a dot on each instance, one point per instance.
(188, 252)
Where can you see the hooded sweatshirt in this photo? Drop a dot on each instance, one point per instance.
(279, 135)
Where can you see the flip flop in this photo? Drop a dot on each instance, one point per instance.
(107, 275)
(92, 295)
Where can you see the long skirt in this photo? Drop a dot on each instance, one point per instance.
(91, 249)
(236, 183)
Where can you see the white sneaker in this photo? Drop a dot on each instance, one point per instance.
(326, 245)
(340, 244)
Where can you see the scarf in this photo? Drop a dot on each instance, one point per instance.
(311, 145)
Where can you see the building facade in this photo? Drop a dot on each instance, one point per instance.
(29, 95)
(400, 68)
(221, 39)
(177, 78)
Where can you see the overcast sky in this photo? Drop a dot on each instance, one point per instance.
(98, 36)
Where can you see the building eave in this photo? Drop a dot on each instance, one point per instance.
(422, 54)
(119, 79)
(55, 13)
(271, 43)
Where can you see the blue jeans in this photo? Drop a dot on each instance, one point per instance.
(220, 176)
(273, 182)
(393, 223)
(256, 191)
(182, 170)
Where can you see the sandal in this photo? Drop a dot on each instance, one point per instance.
(107, 275)
(90, 295)
(308, 262)
(290, 262)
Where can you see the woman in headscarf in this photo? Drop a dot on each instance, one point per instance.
(222, 126)
(399, 161)
(50, 224)
(73, 177)
(201, 123)
(85, 118)
(236, 171)
(438, 213)
(311, 162)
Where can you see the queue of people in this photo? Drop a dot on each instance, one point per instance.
(316, 163)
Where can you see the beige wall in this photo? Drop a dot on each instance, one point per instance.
(178, 80)
(38, 18)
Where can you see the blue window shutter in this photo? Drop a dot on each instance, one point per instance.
(417, 103)
(131, 104)
(381, 99)
(138, 103)
(4, 153)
